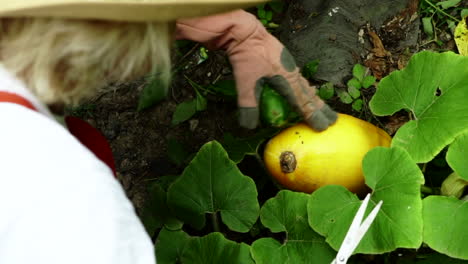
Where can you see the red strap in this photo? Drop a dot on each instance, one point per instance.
(92, 139)
(84, 132)
(15, 99)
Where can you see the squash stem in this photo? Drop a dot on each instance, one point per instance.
(288, 162)
(214, 219)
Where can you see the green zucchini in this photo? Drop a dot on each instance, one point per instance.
(274, 109)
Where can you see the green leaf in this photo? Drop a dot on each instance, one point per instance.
(269, 15)
(461, 37)
(359, 72)
(451, 25)
(287, 212)
(212, 183)
(427, 26)
(327, 91)
(396, 180)
(277, 6)
(225, 87)
(261, 13)
(357, 105)
(354, 83)
(150, 216)
(448, 4)
(170, 246)
(154, 92)
(464, 13)
(457, 156)
(176, 152)
(215, 248)
(184, 111)
(200, 100)
(156, 213)
(202, 55)
(435, 96)
(238, 148)
(368, 81)
(354, 92)
(445, 220)
(309, 70)
(344, 96)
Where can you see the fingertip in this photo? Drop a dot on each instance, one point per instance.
(318, 121)
(323, 118)
(329, 113)
(248, 117)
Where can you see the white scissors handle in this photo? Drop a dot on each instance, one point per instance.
(356, 231)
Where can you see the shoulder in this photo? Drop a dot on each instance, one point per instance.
(53, 188)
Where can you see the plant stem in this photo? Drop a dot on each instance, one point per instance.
(426, 190)
(424, 168)
(214, 219)
(260, 162)
(441, 11)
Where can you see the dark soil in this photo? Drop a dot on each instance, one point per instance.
(139, 140)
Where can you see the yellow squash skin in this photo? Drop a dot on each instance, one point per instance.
(333, 156)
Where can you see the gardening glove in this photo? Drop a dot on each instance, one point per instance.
(257, 59)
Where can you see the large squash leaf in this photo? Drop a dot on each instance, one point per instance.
(287, 212)
(170, 246)
(215, 248)
(212, 183)
(457, 156)
(445, 225)
(395, 179)
(434, 88)
(178, 247)
(156, 213)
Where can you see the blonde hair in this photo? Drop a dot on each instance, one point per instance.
(65, 61)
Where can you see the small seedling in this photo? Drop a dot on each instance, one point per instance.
(202, 55)
(185, 110)
(309, 70)
(153, 92)
(265, 13)
(360, 80)
(326, 91)
(224, 88)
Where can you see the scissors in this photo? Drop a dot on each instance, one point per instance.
(356, 231)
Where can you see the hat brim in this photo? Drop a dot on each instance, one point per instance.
(121, 10)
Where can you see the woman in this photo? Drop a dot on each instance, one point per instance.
(59, 203)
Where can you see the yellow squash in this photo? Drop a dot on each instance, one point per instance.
(302, 159)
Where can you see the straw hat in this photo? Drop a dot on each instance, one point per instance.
(123, 10)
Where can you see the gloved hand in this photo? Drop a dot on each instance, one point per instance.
(257, 58)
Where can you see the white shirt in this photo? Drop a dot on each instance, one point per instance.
(59, 204)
